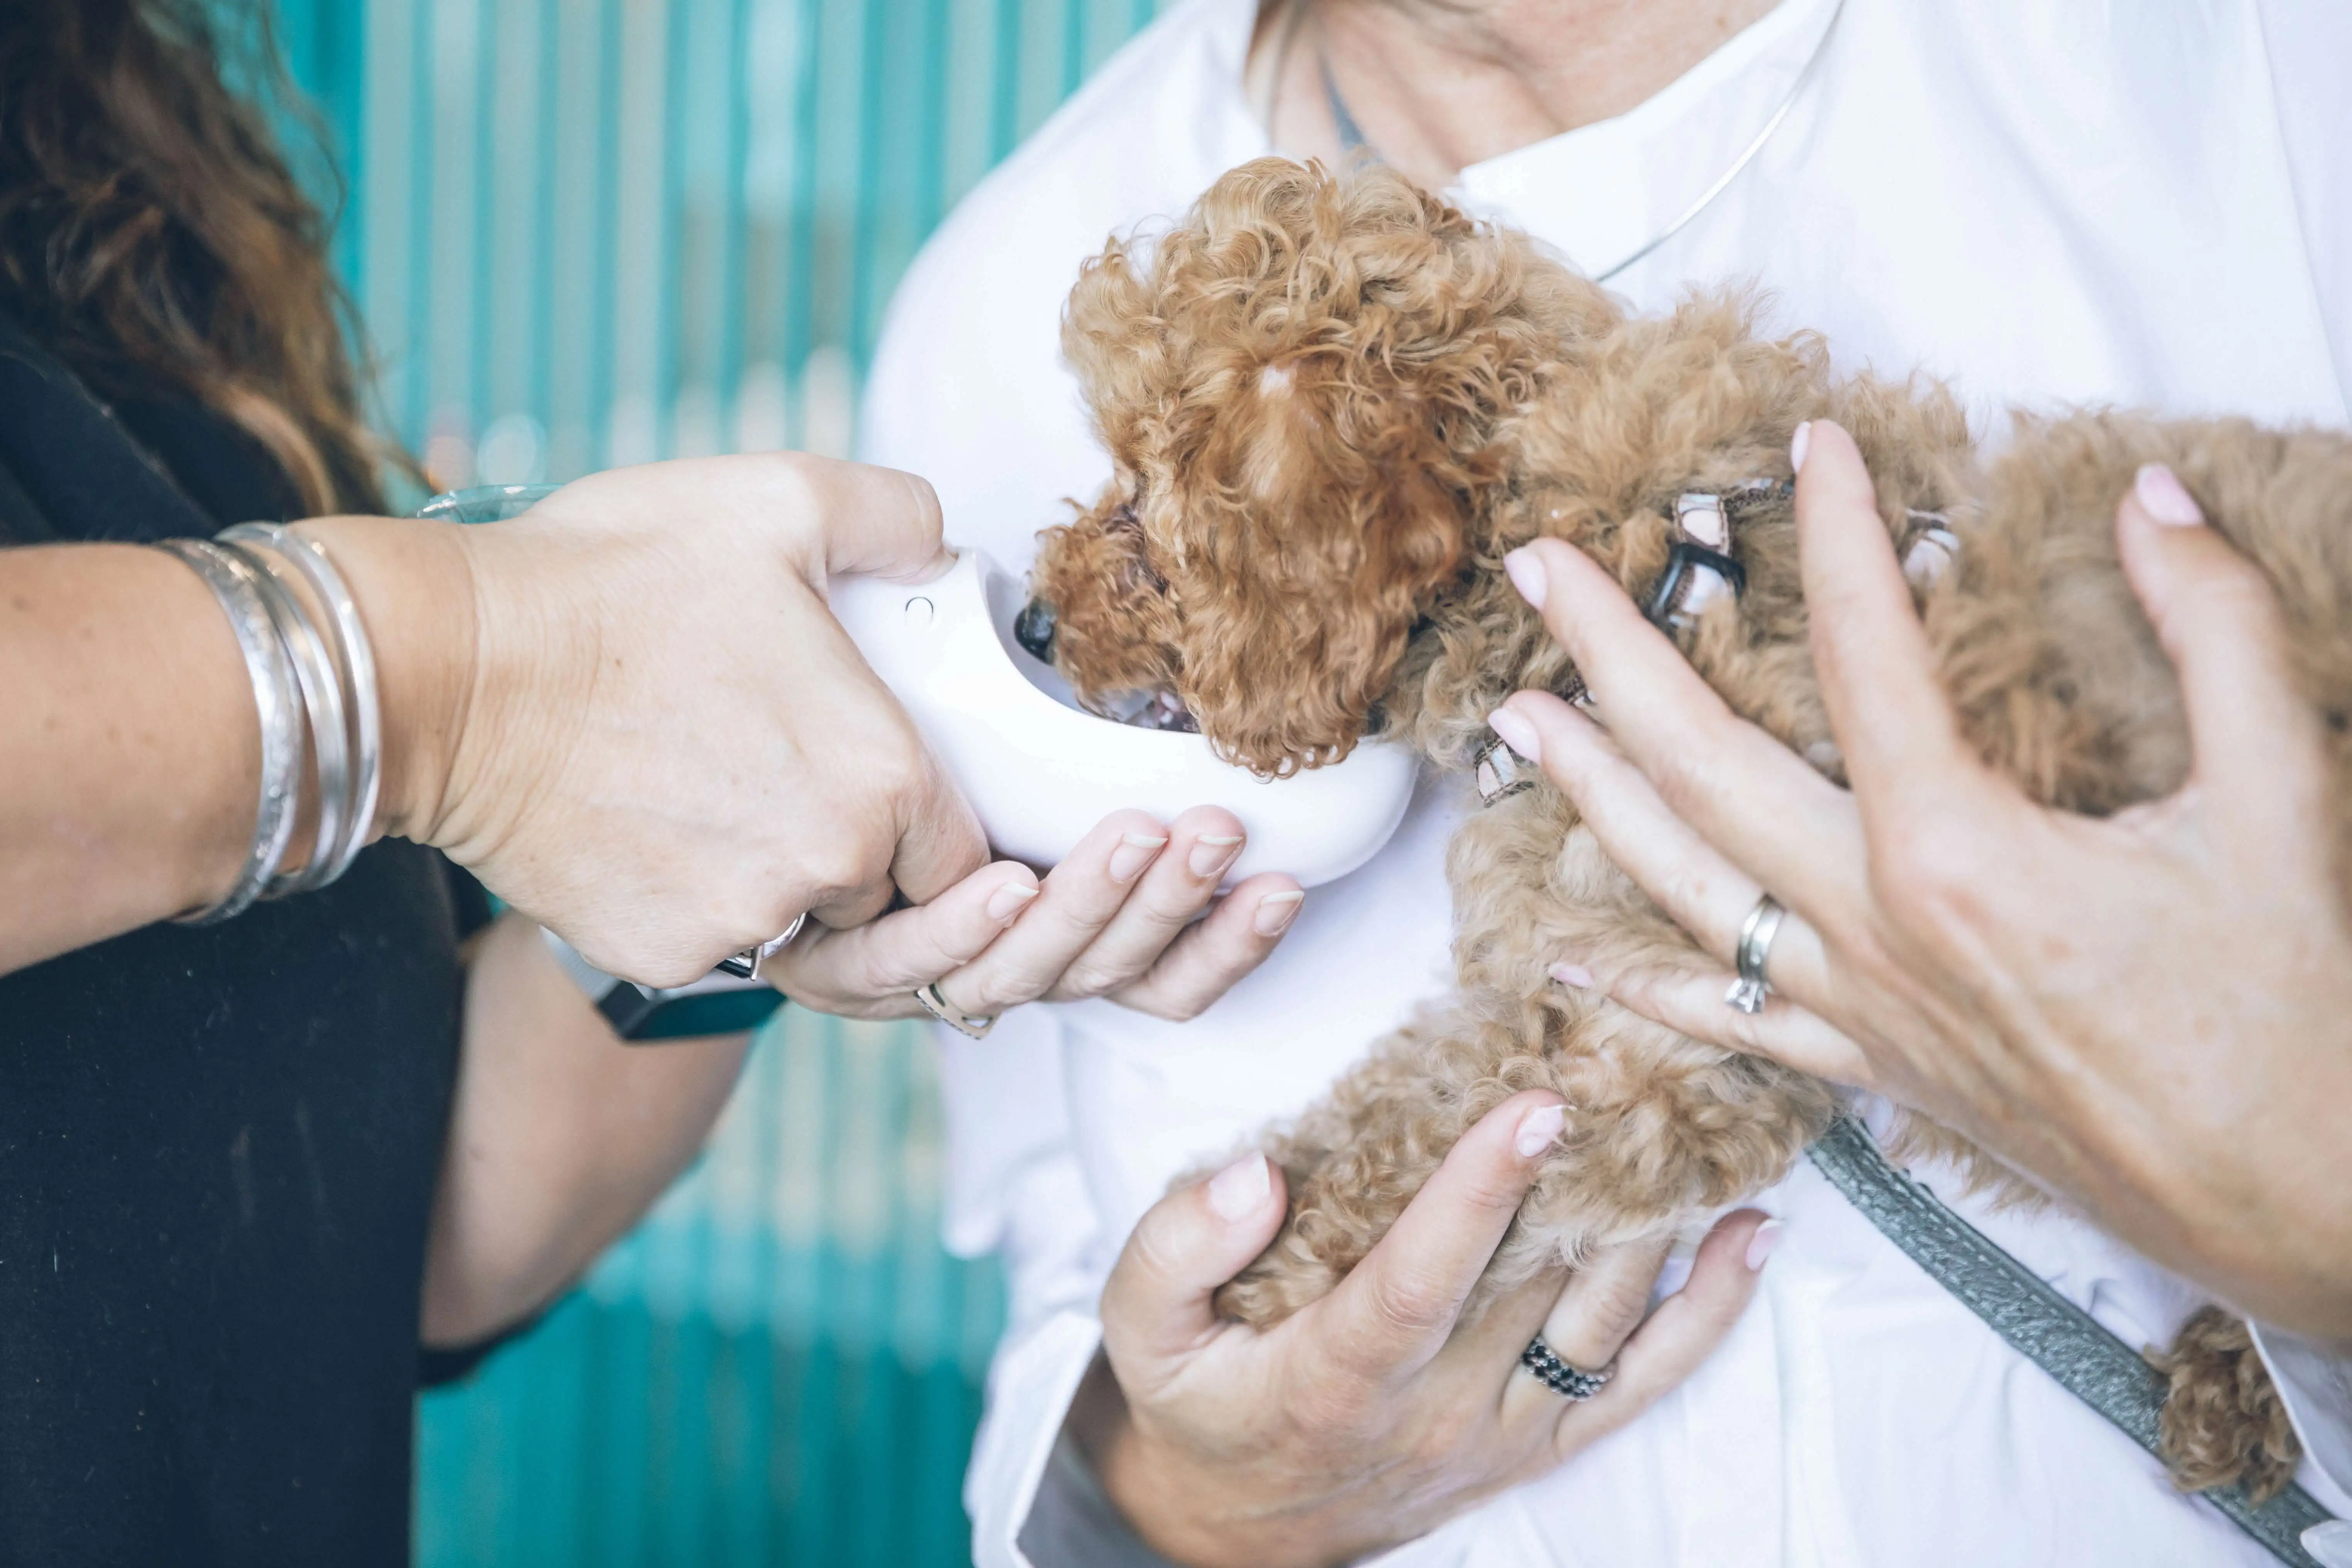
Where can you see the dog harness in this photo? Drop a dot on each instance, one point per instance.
(1700, 569)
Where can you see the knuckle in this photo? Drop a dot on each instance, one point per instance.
(833, 867)
(2235, 591)
(997, 991)
(1088, 978)
(1493, 1186)
(1407, 1304)
(894, 765)
(1618, 1300)
(1923, 874)
(1177, 1007)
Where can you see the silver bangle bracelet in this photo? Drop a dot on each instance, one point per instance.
(271, 670)
(358, 712)
(322, 702)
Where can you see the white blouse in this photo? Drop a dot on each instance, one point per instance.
(2045, 201)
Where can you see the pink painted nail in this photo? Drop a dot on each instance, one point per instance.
(1573, 975)
(1135, 851)
(1517, 732)
(1760, 1244)
(1009, 901)
(1240, 1190)
(1213, 855)
(2163, 497)
(1539, 1130)
(1528, 575)
(1799, 443)
(1276, 910)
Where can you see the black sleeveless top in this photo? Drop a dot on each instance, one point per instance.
(217, 1145)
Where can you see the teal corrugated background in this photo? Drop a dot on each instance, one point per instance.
(590, 232)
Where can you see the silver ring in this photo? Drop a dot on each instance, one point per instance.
(745, 965)
(1571, 1383)
(939, 1007)
(1756, 934)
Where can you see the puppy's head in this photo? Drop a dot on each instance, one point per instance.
(1299, 386)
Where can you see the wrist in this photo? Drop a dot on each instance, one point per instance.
(413, 583)
(1189, 1513)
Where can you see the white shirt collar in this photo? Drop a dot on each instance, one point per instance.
(1598, 194)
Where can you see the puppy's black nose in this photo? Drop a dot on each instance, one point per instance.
(1033, 628)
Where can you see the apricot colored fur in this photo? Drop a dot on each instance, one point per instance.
(1333, 404)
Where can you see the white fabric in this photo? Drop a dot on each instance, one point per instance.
(2046, 201)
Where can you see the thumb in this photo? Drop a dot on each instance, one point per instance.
(879, 522)
(1156, 1308)
(2257, 744)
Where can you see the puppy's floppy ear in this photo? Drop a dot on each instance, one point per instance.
(1117, 344)
(1302, 575)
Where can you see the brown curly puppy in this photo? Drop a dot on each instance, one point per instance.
(1333, 405)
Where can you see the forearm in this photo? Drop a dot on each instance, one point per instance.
(130, 754)
(130, 745)
(560, 1138)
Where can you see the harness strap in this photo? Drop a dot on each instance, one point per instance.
(1700, 569)
(2042, 1325)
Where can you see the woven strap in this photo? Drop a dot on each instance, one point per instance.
(2044, 1326)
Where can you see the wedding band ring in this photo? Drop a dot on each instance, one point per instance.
(1571, 1383)
(939, 1007)
(745, 965)
(1756, 934)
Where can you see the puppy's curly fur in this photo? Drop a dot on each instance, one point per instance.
(1333, 404)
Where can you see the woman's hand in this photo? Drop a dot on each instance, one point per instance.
(2152, 1012)
(629, 712)
(1366, 1419)
(1117, 919)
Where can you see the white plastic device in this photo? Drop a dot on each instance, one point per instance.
(1041, 770)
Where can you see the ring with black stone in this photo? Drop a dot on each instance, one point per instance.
(1570, 1383)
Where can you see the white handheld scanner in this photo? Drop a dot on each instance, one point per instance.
(1041, 770)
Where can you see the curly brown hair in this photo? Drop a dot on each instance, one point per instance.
(153, 232)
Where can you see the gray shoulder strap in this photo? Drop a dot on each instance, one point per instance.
(2044, 1326)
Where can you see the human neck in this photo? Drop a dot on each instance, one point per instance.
(1438, 87)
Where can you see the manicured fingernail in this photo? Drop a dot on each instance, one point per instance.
(1797, 446)
(2330, 1544)
(1009, 901)
(1276, 910)
(1517, 732)
(1527, 575)
(2163, 497)
(1539, 1130)
(1240, 1189)
(1573, 975)
(1135, 851)
(1760, 1244)
(1210, 856)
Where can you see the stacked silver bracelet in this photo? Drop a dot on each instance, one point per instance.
(310, 682)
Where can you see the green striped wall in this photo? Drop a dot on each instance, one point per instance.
(587, 232)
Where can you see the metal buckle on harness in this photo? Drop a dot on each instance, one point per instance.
(1699, 568)
(1501, 772)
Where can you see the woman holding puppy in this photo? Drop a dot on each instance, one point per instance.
(2043, 205)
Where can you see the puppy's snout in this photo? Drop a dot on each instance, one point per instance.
(1033, 628)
